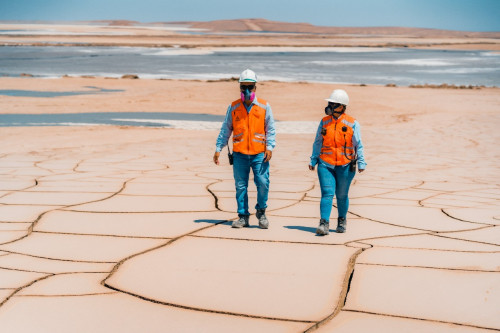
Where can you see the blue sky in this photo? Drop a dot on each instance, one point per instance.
(466, 15)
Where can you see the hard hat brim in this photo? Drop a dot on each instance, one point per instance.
(248, 80)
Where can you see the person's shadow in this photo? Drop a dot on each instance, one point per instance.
(225, 222)
(306, 229)
(211, 221)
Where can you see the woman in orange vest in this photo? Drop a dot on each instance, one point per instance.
(336, 149)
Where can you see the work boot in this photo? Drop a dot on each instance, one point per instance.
(323, 228)
(263, 222)
(341, 225)
(241, 222)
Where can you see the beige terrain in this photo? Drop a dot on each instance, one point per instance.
(243, 33)
(128, 229)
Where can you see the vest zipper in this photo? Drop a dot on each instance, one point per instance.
(249, 134)
(335, 141)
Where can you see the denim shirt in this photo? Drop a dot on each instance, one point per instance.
(356, 141)
(227, 127)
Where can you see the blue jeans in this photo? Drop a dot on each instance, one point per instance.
(334, 181)
(241, 171)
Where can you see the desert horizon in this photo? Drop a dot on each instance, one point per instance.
(256, 32)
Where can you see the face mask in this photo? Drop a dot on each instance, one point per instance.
(330, 107)
(328, 110)
(247, 95)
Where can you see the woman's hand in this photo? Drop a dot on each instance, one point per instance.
(216, 158)
(311, 167)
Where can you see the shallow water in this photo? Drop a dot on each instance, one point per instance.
(196, 122)
(37, 93)
(357, 65)
(148, 119)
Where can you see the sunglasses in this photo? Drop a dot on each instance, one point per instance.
(249, 87)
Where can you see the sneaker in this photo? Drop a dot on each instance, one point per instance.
(241, 222)
(341, 225)
(263, 222)
(323, 228)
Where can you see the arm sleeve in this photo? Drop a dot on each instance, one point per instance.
(270, 129)
(358, 145)
(318, 142)
(225, 131)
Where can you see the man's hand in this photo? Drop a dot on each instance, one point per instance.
(311, 167)
(361, 170)
(267, 155)
(216, 157)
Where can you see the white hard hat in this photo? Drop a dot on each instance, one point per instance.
(248, 75)
(338, 96)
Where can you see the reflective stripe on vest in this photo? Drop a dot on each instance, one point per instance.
(249, 135)
(337, 148)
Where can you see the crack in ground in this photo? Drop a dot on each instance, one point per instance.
(343, 294)
(99, 235)
(422, 319)
(40, 272)
(23, 287)
(456, 218)
(70, 295)
(30, 229)
(430, 267)
(265, 240)
(59, 259)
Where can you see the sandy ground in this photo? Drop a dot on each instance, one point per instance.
(127, 229)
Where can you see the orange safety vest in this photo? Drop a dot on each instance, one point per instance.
(249, 135)
(337, 148)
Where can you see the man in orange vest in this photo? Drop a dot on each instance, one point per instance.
(250, 120)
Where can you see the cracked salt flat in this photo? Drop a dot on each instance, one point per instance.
(133, 225)
(14, 226)
(16, 278)
(467, 261)
(433, 241)
(176, 246)
(220, 275)
(348, 322)
(86, 248)
(303, 230)
(485, 235)
(145, 203)
(79, 315)
(9, 236)
(68, 284)
(386, 292)
(422, 218)
(50, 266)
(45, 198)
(77, 186)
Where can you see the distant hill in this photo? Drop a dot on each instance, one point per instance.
(263, 25)
(117, 22)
